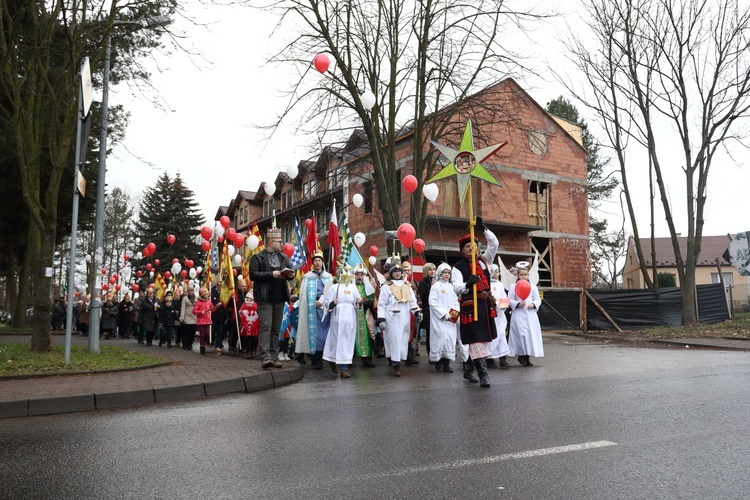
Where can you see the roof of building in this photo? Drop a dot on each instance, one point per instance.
(711, 248)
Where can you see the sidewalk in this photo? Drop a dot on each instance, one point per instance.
(738, 344)
(187, 376)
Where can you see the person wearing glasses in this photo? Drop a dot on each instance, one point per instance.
(269, 272)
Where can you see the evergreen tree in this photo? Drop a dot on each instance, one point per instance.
(605, 247)
(169, 207)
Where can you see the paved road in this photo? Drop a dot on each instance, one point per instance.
(589, 421)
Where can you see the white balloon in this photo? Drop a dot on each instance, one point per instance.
(176, 268)
(230, 250)
(430, 191)
(191, 273)
(292, 171)
(368, 99)
(88, 258)
(237, 260)
(252, 242)
(151, 274)
(372, 260)
(137, 240)
(200, 269)
(219, 231)
(139, 256)
(359, 239)
(270, 188)
(357, 199)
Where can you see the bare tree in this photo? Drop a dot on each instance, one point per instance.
(683, 63)
(415, 56)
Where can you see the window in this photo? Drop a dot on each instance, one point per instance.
(538, 197)
(287, 200)
(324, 218)
(268, 207)
(368, 196)
(728, 278)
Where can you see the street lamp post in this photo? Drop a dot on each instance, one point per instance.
(96, 304)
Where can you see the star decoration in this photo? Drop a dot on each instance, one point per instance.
(465, 162)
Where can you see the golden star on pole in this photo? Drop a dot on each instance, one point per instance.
(465, 162)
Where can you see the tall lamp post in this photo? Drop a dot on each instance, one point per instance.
(96, 304)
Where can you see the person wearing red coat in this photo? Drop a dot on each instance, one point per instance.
(250, 325)
(202, 310)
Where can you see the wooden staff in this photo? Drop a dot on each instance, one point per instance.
(473, 250)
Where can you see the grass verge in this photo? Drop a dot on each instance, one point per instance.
(739, 327)
(19, 359)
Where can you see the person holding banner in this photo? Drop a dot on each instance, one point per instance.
(525, 331)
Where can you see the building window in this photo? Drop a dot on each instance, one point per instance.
(268, 207)
(538, 203)
(728, 278)
(368, 196)
(323, 220)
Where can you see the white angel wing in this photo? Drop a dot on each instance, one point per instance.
(534, 271)
(505, 276)
(381, 278)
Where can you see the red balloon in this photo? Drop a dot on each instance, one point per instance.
(418, 245)
(309, 224)
(224, 221)
(230, 234)
(151, 248)
(321, 63)
(105, 287)
(117, 287)
(206, 232)
(134, 287)
(112, 280)
(125, 257)
(219, 239)
(115, 275)
(239, 240)
(206, 246)
(148, 267)
(234, 271)
(139, 273)
(156, 262)
(410, 183)
(145, 252)
(288, 250)
(175, 260)
(406, 234)
(104, 271)
(183, 273)
(171, 239)
(189, 263)
(374, 251)
(78, 294)
(167, 274)
(523, 289)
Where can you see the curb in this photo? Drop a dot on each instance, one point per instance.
(106, 401)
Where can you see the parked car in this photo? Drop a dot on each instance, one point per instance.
(5, 317)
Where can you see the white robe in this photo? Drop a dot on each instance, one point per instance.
(442, 332)
(397, 317)
(525, 331)
(499, 346)
(339, 346)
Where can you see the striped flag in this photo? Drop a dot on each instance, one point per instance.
(226, 277)
(346, 240)
(298, 258)
(160, 286)
(214, 253)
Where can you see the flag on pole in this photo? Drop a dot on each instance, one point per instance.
(215, 253)
(355, 258)
(255, 232)
(207, 269)
(346, 239)
(160, 287)
(334, 243)
(226, 277)
(298, 258)
(311, 242)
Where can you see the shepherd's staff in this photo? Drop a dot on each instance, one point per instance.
(465, 163)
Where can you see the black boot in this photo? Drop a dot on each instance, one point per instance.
(491, 364)
(438, 364)
(318, 360)
(469, 372)
(447, 366)
(367, 362)
(522, 360)
(504, 362)
(410, 361)
(528, 361)
(484, 376)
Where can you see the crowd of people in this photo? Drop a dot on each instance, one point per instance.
(335, 319)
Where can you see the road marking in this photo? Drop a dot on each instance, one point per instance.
(495, 458)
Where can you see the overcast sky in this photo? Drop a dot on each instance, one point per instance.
(205, 128)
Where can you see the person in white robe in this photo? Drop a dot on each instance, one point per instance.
(498, 348)
(525, 331)
(395, 305)
(444, 310)
(342, 301)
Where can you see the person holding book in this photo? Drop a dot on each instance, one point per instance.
(313, 317)
(270, 274)
(498, 348)
(444, 313)
(525, 331)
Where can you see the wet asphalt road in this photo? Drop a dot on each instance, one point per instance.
(589, 421)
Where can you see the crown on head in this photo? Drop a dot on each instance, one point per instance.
(318, 254)
(274, 232)
(360, 269)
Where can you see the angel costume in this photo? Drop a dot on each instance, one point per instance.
(443, 331)
(499, 345)
(395, 304)
(341, 301)
(525, 332)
